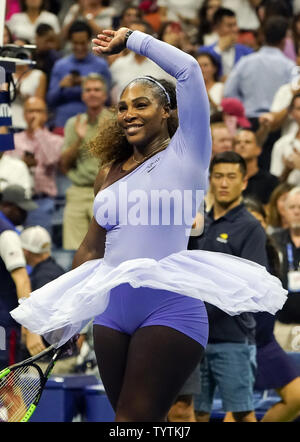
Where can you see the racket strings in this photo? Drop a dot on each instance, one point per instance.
(18, 390)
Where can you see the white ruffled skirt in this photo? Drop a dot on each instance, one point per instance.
(64, 306)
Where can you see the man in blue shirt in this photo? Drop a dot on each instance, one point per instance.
(256, 78)
(226, 50)
(64, 93)
(230, 357)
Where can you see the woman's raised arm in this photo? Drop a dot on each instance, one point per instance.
(192, 99)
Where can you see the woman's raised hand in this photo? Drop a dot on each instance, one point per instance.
(110, 42)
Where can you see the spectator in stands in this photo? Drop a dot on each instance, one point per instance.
(125, 69)
(206, 33)
(15, 283)
(231, 350)
(260, 182)
(222, 140)
(214, 88)
(151, 13)
(96, 13)
(130, 14)
(285, 150)
(226, 49)
(280, 109)
(78, 164)
(276, 218)
(28, 82)
(14, 171)
(270, 62)
(233, 114)
(275, 370)
(23, 24)
(46, 53)
(40, 149)
(257, 96)
(272, 8)
(36, 245)
(172, 32)
(64, 94)
(287, 325)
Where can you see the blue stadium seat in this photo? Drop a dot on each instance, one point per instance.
(97, 405)
(63, 398)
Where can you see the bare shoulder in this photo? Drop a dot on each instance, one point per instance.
(100, 179)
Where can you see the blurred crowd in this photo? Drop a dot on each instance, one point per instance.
(249, 54)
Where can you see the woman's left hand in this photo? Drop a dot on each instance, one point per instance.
(110, 42)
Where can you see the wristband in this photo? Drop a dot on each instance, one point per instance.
(127, 35)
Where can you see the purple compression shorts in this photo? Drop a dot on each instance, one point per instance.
(131, 308)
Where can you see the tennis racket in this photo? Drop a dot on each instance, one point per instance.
(22, 384)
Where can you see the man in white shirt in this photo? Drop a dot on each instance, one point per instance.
(14, 171)
(282, 101)
(283, 149)
(125, 69)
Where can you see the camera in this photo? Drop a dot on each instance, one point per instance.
(11, 55)
(15, 51)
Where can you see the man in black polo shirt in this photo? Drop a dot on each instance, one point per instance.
(230, 357)
(14, 281)
(287, 325)
(261, 183)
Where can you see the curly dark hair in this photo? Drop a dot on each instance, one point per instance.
(111, 144)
